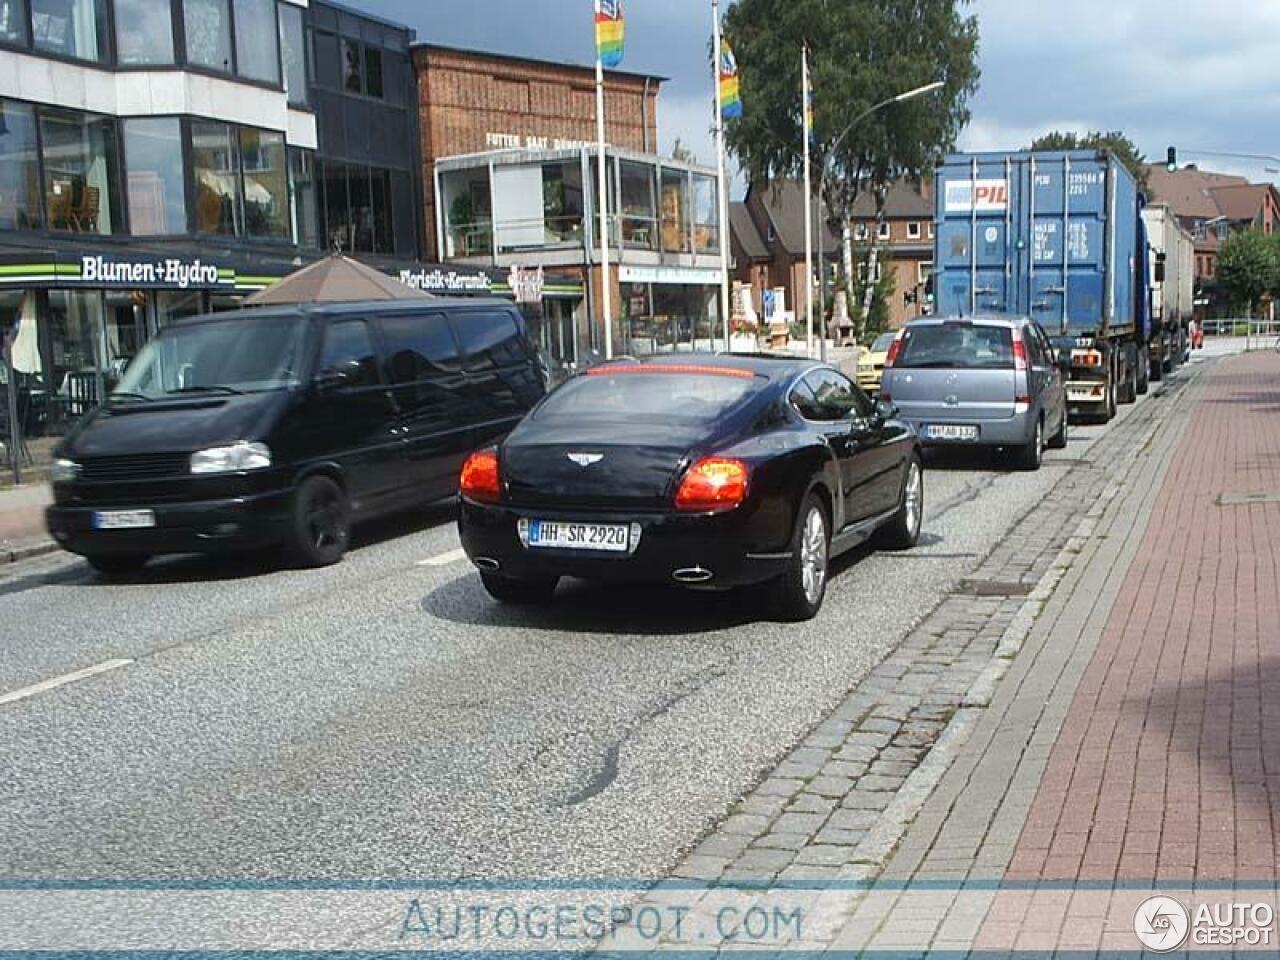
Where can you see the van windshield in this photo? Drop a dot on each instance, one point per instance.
(220, 356)
(956, 346)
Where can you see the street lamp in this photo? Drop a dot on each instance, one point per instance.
(822, 189)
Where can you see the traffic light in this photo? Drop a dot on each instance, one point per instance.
(1172, 161)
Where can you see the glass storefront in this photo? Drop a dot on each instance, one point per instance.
(70, 28)
(157, 176)
(19, 168)
(215, 161)
(669, 318)
(207, 25)
(257, 40)
(144, 32)
(80, 171)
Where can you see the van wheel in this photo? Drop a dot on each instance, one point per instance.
(521, 592)
(320, 526)
(116, 564)
(798, 593)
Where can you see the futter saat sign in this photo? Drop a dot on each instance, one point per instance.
(161, 272)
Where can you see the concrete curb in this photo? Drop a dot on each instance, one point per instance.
(28, 551)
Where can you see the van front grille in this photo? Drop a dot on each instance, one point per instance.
(143, 466)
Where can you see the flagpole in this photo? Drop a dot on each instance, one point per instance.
(808, 201)
(722, 192)
(603, 194)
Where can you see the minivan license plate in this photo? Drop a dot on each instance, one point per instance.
(124, 519)
(557, 535)
(951, 431)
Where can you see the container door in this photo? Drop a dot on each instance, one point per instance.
(976, 254)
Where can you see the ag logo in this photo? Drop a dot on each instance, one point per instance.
(1161, 924)
(585, 459)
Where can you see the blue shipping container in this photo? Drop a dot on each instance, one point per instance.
(1051, 235)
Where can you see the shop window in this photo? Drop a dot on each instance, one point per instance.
(70, 28)
(80, 171)
(336, 209)
(638, 210)
(562, 202)
(215, 169)
(156, 176)
(19, 168)
(373, 72)
(207, 25)
(266, 183)
(405, 221)
(924, 271)
(72, 379)
(381, 209)
(293, 53)
(706, 230)
(352, 79)
(173, 305)
(306, 207)
(257, 40)
(144, 32)
(468, 213)
(126, 331)
(675, 211)
(13, 22)
(360, 212)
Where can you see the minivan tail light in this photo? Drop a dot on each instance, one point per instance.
(895, 348)
(1019, 353)
(713, 484)
(480, 479)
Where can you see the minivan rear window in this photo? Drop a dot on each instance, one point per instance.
(656, 397)
(959, 346)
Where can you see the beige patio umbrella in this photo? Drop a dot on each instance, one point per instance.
(335, 279)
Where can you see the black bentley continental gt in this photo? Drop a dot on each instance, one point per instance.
(708, 471)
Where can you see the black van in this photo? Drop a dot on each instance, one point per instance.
(283, 425)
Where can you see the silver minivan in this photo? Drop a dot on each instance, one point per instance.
(992, 381)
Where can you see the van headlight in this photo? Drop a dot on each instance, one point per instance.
(64, 471)
(232, 459)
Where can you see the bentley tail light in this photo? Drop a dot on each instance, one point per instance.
(479, 480)
(713, 484)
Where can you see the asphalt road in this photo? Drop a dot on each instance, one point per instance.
(385, 719)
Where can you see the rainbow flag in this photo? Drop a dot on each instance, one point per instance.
(609, 31)
(808, 109)
(730, 92)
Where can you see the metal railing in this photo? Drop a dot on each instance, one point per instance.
(1263, 335)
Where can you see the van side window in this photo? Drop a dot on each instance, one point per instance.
(348, 350)
(489, 340)
(418, 346)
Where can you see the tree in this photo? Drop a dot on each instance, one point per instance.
(1248, 268)
(1126, 150)
(874, 321)
(861, 52)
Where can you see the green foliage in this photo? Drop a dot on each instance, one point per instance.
(861, 52)
(1126, 150)
(877, 319)
(1249, 267)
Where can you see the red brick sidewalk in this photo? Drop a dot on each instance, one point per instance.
(1167, 768)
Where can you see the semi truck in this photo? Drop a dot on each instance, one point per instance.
(1057, 236)
(1172, 253)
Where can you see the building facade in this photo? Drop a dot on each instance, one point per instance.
(510, 166)
(163, 158)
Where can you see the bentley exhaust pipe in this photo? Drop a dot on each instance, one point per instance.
(692, 575)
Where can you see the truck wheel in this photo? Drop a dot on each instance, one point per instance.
(1144, 377)
(1158, 370)
(1109, 410)
(1128, 391)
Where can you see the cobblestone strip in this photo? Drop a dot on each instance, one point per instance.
(835, 808)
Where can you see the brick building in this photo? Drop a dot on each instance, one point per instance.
(510, 180)
(473, 102)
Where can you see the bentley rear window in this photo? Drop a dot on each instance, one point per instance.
(623, 395)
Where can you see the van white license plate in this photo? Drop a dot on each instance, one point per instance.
(124, 519)
(558, 535)
(950, 431)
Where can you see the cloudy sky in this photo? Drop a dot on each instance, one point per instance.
(1199, 75)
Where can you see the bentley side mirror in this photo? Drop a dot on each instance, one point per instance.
(885, 410)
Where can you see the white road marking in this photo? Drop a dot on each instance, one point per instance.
(444, 559)
(66, 678)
